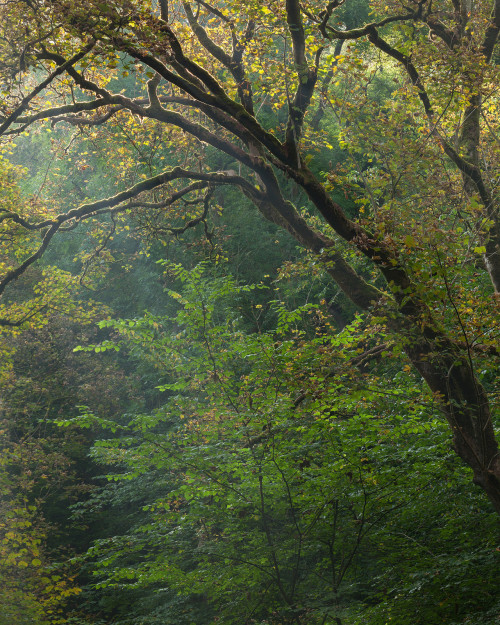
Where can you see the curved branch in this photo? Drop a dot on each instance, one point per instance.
(65, 66)
(217, 99)
(232, 63)
(18, 271)
(67, 109)
(356, 33)
(91, 209)
(273, 206)
(194, 222)
(113, 204)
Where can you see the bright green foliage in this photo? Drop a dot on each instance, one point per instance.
(287, 483)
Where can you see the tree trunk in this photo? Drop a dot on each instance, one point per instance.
(449, 373)
(446, 367)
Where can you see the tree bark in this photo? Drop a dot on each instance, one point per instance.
(449, 373)
(446, 367)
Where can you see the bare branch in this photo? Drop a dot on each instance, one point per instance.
(118, 202)
(194, 222)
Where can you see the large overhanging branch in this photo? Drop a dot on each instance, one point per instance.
(221, 100)
(129, 205)
(71, 113)
(188, 76)
(140, 106)
(59, 111)
(275, 208)
(150, 108)
(118, 202)
(104, 96)
(329, 32)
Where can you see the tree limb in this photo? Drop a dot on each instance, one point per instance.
(307, 78)
(65, 66)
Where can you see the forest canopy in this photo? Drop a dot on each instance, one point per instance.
(249, 311)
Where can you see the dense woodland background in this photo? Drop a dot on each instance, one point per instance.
(249, 314)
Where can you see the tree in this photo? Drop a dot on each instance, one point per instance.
(277, 484)
(233, 83)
